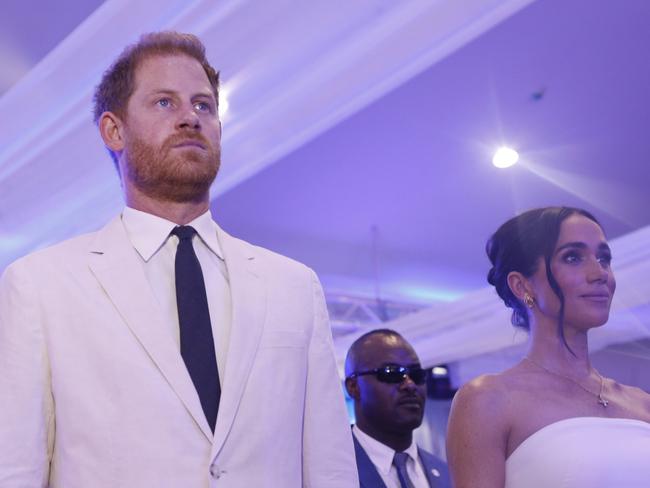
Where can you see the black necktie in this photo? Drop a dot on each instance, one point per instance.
(400, 463)
(197, 343)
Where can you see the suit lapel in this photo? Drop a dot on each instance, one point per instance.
(368, 475)
(430, 467)
(248, 292)
(116, 266)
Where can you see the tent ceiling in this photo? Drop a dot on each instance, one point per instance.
(359, 133)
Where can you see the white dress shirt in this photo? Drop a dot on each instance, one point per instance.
(382, 457)
(150, 236)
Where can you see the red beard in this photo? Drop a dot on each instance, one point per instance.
(168, 173)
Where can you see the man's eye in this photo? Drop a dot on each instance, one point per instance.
(164, 102)
(203, 106)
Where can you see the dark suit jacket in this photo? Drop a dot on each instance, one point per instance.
(369, 476)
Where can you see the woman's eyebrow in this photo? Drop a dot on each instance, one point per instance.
(581, 245)
(578, 244)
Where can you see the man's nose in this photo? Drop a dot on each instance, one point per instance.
(189, 119)
(407, 382)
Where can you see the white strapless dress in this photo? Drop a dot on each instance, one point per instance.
(583, 452)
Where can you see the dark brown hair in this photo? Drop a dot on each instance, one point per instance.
(518, 244)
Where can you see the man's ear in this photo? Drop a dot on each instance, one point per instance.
(352, 387)
(111, 128)
(519, 285)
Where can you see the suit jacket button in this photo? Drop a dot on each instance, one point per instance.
(215, 472)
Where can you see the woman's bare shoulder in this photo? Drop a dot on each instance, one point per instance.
(633, 392)
(478, 429)
(485, 385)
(488, 386)
(486, 394)
(497, 397)
(633, 399)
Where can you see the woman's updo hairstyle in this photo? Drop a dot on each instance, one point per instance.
(518, 245)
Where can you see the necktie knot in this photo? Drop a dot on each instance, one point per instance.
(184, 232)
(400, 460)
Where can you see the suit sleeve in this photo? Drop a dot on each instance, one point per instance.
(328, 453)
(26, 405)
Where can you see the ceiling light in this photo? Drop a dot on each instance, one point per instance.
(439, 371)
(505, 157)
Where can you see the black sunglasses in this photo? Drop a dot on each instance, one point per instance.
(394, 373)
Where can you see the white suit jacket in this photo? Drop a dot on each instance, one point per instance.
(94, 392)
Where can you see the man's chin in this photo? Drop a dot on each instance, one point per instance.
(178, 190)
(410, 418)
(189, 191)
(174, 178)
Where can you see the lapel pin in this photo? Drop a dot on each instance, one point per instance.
(435, 472)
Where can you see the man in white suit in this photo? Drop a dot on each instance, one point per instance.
(115, 372)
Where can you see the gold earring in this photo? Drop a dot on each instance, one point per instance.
(529, 301)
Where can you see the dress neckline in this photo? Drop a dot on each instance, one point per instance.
(562, 422)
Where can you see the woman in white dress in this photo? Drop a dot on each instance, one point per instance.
(552, 420)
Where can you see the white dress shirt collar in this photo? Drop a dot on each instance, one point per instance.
(380, 454)
(148, 233)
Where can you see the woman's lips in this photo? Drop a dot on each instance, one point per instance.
(596, 297)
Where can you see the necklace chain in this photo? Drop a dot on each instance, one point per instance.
(601, 400)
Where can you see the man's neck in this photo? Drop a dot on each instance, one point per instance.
(180, 213)
(397, 441)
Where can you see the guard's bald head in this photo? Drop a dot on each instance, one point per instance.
(364, 351)
(385, 409)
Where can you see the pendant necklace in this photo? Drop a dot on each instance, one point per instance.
(601, 400)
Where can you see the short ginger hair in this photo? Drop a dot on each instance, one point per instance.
(117, 84)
